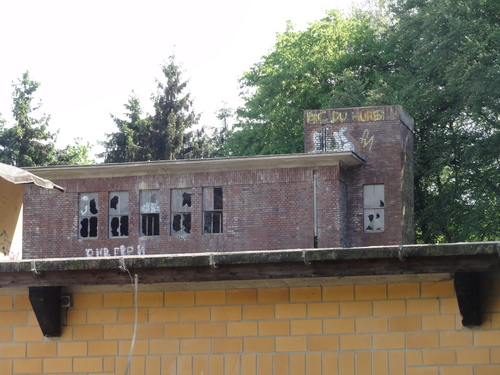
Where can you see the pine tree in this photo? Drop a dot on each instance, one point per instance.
(28, 143)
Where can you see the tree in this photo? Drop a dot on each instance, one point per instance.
(164, 134)
(446, 73)
(79, 154)
(28, 143)
(329, 64)
(172, 116)
(133, 140)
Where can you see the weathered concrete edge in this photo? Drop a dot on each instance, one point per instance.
(253, 257)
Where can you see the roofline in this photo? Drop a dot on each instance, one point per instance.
(254, 265)
(160, 167)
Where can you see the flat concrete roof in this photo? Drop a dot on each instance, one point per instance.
(62, 172)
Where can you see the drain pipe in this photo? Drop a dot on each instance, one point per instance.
(315, 209)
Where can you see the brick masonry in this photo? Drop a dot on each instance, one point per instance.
(378, 329)
(263, 209)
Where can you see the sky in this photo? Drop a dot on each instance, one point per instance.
(90, 55)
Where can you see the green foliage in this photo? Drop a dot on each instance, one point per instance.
(329, 64)
(78, 154)
(173, 114)
(446, 73)
(132, 141)
(28, 143)
(439, 59)
(163, 135)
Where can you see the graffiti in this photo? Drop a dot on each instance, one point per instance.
(316, 117)
(339, 116)
(333, 140)
(364, 115)
(117, 251)
(6, 253)
(324, 117)
(366, 140)
(5, 243)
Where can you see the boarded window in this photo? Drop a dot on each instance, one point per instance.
(118, 214)
(373, 204)
(180, 211)
(150, 213)
(212, 210)
(87, 214)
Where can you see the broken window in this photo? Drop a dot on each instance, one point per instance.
(87, 215)
(373, 204)
(150, 213)
(118, 214)
(180, 211)
(212, 210)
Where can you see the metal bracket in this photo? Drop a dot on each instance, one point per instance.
(304, 258)
(401, 254)
(121, 264)
(211, 261)
(33, 268)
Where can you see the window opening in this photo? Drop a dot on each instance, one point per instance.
(212, 210)
(118, 214)
(150, 213)
(373, 204)
(88, 215)
(180, 211)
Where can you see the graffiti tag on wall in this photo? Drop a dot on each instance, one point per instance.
(117, 251)
(353, 115)
(6, 253)
(366, 140)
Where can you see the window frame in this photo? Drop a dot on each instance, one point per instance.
(149, 213)
(213, 206)
(182, 209)
(88, 214)
(374, 206)
(120, 213)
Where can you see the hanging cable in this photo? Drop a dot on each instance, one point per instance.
(136, 284)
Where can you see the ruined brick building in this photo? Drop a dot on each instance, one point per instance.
(351, 187)
(298, 264)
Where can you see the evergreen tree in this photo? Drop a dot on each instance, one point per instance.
(133, 140)
(173, 114)
(28, 143)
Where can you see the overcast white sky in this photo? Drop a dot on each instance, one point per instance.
(90, 55)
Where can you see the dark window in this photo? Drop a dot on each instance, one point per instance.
(212, 210)
(180, 207)
(150, 213)
(118, 214)
(87, 215)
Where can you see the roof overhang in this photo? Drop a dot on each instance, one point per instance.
(254, 265)
(45, 278)
(21, 176)
(345, 159)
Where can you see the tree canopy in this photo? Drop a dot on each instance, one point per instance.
(439, 59)
(164, 135)
(28, 142)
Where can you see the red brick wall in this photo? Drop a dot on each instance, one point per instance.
(383, 137)
(263, 209)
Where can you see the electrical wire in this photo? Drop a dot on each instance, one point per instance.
(136, 284)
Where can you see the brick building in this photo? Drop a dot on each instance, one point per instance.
(287, 264)
(352, 187)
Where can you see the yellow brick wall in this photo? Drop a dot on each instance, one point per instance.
(411, 328)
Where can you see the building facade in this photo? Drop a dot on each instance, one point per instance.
(351, 187)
